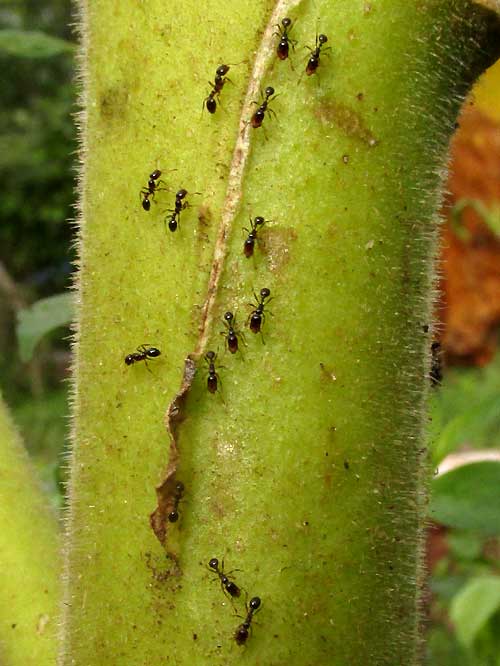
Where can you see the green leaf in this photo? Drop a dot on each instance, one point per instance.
(34, 44)
(40, 318)
(465, 545)
(466, 409)
(473, 606)
(468, 498)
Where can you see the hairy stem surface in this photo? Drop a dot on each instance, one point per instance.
(304, 470)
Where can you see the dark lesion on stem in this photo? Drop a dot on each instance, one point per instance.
(166, 490)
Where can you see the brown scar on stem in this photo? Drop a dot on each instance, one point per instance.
(349, 121)
(165, 490)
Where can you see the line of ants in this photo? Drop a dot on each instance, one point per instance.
(231, 333)
(155, 184)
(282, 51)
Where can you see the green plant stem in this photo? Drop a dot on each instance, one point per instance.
(305, 470)
(29, 549)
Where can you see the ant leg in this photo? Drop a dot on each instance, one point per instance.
(273, 113)
(162, 187)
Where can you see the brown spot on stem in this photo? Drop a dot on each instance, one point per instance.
(204, 216)
(113, 103)
(275, 245)
(349, 121)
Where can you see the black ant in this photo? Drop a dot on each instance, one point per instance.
(283, 47)
(173, 516)
(142, 354)
(219, 81)
(313, 62)
(228, 585)
(173, 218)
(249, 243)
(257, 316)
(213, 377)
(259, 115)
(242, 632)
(151, 188)
(436, 371)
(230, 334)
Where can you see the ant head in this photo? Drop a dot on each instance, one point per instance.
(181, 194)
(254, 603)
(286, 22)
(155, 175)
(229, 316)
(210, 356)
(322, 39)
(214, 563)
(265, 292)
(269, 91)
(222, 70)
(173, 517)
(179, 487)
(258, 221)
(129, 359)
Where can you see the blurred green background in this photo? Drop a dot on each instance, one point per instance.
(461, 610)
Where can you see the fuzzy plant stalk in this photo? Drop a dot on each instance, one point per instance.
(304, 472)
(29, 554)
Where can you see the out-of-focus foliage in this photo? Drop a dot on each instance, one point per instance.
(40, 318)
(465, 411)
(465, 609)
(468, 498)
(37, 146)
(43, 424)
(465, 580)
(37, 142)
(489, 215)
(34, 44)
(477, 601)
